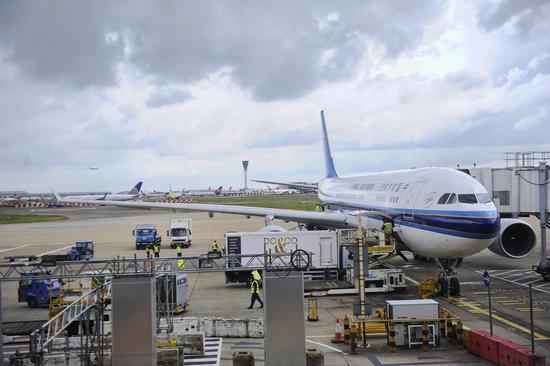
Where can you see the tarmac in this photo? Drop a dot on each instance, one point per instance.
(111, 231)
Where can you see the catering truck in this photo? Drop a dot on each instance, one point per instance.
(179, 232)
(322, 247)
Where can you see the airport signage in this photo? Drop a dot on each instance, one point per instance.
(486, 279)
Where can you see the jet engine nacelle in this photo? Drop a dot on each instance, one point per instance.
(517, 239)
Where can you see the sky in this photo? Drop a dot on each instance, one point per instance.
(178, 93)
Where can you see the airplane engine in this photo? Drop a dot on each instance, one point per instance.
(517, 239)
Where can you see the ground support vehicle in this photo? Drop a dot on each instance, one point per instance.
(179, 232)
(146, 234)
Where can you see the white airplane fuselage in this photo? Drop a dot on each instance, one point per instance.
(453, 229)
(100, 197)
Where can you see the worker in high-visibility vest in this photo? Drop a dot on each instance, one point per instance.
(181, 266)
(148, 251)
(215, 246)
(318, 208)
(388, 232)
(255, 293)
(178, 250)
(156, 250)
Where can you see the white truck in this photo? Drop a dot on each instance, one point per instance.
(179, 232)
(322, 246)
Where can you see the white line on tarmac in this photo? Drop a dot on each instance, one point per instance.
(14, 248)
(327, 346)
(53, 251)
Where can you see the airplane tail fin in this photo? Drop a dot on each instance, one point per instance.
(136, 188)
(219, 190)
(329, 163)
(56, 195)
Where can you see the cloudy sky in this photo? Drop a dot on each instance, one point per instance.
(179, 92)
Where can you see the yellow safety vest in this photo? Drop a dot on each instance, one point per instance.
(388, 228)
(180, 264)
(255, 287)
(215, 247)
(178, 250)
(147, 249)
(156, 248)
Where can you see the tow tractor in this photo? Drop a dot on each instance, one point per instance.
(82, 249)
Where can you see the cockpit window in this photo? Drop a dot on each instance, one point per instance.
(443, 199)
(452, 199)
(483, 198)
(467, 198)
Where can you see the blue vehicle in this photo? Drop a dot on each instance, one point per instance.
(146, 234)
(83, 249)
(37, 292)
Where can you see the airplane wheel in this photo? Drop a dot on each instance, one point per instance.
(454, 289)
(442, 286)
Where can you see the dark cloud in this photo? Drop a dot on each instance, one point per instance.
(274, 50)
(524, 13)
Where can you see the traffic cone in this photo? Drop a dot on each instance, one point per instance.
(338, 333)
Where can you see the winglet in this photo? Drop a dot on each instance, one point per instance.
(136, 188)
(329, 163)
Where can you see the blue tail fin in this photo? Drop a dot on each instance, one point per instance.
(136, 188)
(329, 163)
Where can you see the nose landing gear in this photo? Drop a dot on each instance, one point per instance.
(447, 283)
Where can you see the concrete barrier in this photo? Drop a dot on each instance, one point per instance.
(169, 357)
(191, 343)
(243, 358)
(314, 357)
(221, 327)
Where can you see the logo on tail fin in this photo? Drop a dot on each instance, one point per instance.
(136, 188)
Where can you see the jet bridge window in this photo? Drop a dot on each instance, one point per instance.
(443, 199)
(467, 198)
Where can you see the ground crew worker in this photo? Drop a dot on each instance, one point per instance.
(388, 232)
(318, 208)
(181, 266)
(148, 250)
(255, 292)
(215, 246)
(178, 250)
(156, 250)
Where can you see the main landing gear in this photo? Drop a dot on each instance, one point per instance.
(447, 283)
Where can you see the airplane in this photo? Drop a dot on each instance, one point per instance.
(203, 192)
(439, 213)
(132, 194)
(93, 168)
(282, 191)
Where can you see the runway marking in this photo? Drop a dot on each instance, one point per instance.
(14, 248)
(512, 303)
(53, 251)
(497, 275)
(538, 336)
(524, 310)
(326, 346)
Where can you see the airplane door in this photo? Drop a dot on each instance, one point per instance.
(411, 198)
(325, 251)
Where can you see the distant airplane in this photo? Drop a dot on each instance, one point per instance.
(93, 168)
(203, 192)
(132, 194)
(282, 191)
(439, 213)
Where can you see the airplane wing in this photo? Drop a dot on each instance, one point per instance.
(325, 219)
(297, 185)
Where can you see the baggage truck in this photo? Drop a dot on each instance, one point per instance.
(179, 232)
(321, 245)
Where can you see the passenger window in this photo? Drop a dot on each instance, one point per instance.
(467, 198)
(443, 199)
(452, 199)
